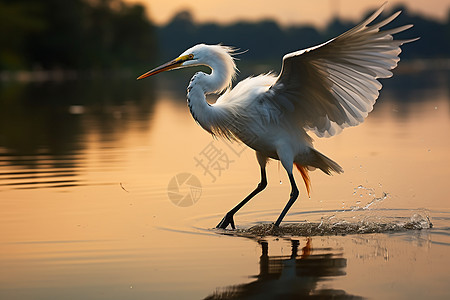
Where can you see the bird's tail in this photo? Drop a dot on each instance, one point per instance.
(324, 163)
(319, 161)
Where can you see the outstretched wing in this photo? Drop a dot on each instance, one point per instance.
(334, 85)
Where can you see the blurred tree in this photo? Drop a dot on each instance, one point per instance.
(17, 21)
(106, 34)
(434, 41)
(74, 34)
(60, 44)
(267, 41)
(181, 31)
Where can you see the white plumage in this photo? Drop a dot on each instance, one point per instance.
(322, 89)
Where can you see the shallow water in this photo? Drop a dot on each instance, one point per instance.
(106, 192)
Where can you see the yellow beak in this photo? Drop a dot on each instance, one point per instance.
(173, 64)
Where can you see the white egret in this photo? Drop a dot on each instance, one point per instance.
(322, 89)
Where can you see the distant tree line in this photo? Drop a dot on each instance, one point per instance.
(267, 40)
(74, 34)
(112, 34)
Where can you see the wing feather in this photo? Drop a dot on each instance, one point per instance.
(335, 85)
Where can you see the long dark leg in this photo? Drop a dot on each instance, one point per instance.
(228, 219)
(293, 197)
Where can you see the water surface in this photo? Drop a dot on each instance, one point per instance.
(106, 193)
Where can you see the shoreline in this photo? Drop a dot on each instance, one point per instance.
(60, 75)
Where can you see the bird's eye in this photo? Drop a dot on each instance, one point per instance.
(191, 56)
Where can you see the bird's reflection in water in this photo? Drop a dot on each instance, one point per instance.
(291, 277)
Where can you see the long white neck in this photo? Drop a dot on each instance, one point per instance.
(213, 118)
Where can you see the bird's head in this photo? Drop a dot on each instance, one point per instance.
(207, 55)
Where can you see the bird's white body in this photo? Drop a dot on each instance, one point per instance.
(323, 90)
(261, 126)
(246, 114)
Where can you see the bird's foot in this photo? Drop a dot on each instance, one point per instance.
(227, 220)
(275, 230)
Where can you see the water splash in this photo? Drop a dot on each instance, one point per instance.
(367, 195)
(347, 222)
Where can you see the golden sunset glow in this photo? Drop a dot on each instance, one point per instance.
(110, 188)
(284, 11)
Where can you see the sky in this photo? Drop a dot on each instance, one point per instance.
(286, 12)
